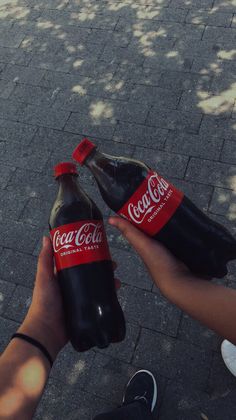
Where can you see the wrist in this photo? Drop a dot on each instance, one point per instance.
(38, 330)
(170, 281)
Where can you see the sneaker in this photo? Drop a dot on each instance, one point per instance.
(141, 387)
(228, 351)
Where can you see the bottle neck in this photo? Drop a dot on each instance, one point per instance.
(95, 161)
(69, 188)
(93, 156)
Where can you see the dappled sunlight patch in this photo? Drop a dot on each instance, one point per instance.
(11, 402)
(225, 5)
(29, 381)
(82, 17)
(147, 38)
(161, 32)
(167, 347)
(215, 68)
(203, 95)
(62, 35)
(26, 43)
(145, 46)
(78, 63)
(14, 12)
(89, 9)
(231, 181)
(230, 93)
(116, 7)
(71, 49)
(227, 55)
(227, 199)
(139, 30)
(223, 198)
(85, 6)
(31, 377)
(30, 43)
(100, 110)
(148, 52)
(188, 3)
(75, 373)
(149, 41)
(145, 2)
(45, 24)
(200, 16)
(197, 20)
(4, 3)
(33, 194)
(79, 89)
(115, 86)
(232, 212)
(45, 4)
(148, 13)
(216, 104)
(59, 32)
(172, 54)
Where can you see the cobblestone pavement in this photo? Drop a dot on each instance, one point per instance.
(154, 79)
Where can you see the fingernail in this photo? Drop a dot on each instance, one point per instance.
(111, 221)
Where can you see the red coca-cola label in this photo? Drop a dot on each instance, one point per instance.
(79, 243)
(152, 204)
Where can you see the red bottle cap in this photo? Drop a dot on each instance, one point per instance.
(65, 168)
(83, 150)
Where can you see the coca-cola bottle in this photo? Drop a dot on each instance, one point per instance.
(151, 203)
(84, 267)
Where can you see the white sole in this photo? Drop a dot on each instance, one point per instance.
(228, 351)
(154, 382)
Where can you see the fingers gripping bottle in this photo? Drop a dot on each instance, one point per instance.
(84, 267)
(152, 204)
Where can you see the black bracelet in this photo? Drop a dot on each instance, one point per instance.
(34, 343)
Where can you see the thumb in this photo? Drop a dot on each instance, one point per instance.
(141, 242)
(45, 268)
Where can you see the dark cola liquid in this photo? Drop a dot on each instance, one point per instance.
(202, 244)
(93, 314)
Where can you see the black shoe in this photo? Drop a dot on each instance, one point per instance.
(141, 387)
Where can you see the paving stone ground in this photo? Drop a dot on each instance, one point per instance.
(153, 79)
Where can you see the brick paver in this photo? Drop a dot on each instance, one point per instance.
(153, 79)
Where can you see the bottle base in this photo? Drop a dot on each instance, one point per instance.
(85, 344)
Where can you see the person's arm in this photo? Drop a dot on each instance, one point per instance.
(211, 304)
(24, 369)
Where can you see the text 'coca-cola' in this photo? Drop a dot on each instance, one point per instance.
(152, 204)
(79, 243)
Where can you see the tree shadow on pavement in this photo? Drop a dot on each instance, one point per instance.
(153, 79)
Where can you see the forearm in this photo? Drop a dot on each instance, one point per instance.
(211, 304)
(23, 374)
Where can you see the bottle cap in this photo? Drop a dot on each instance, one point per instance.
(83, 150)
(65, 168)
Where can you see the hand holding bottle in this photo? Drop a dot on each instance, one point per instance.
(211, 304)
(163, 267)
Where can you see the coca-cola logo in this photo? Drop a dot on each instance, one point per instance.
(87, 234)
(156, 190)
